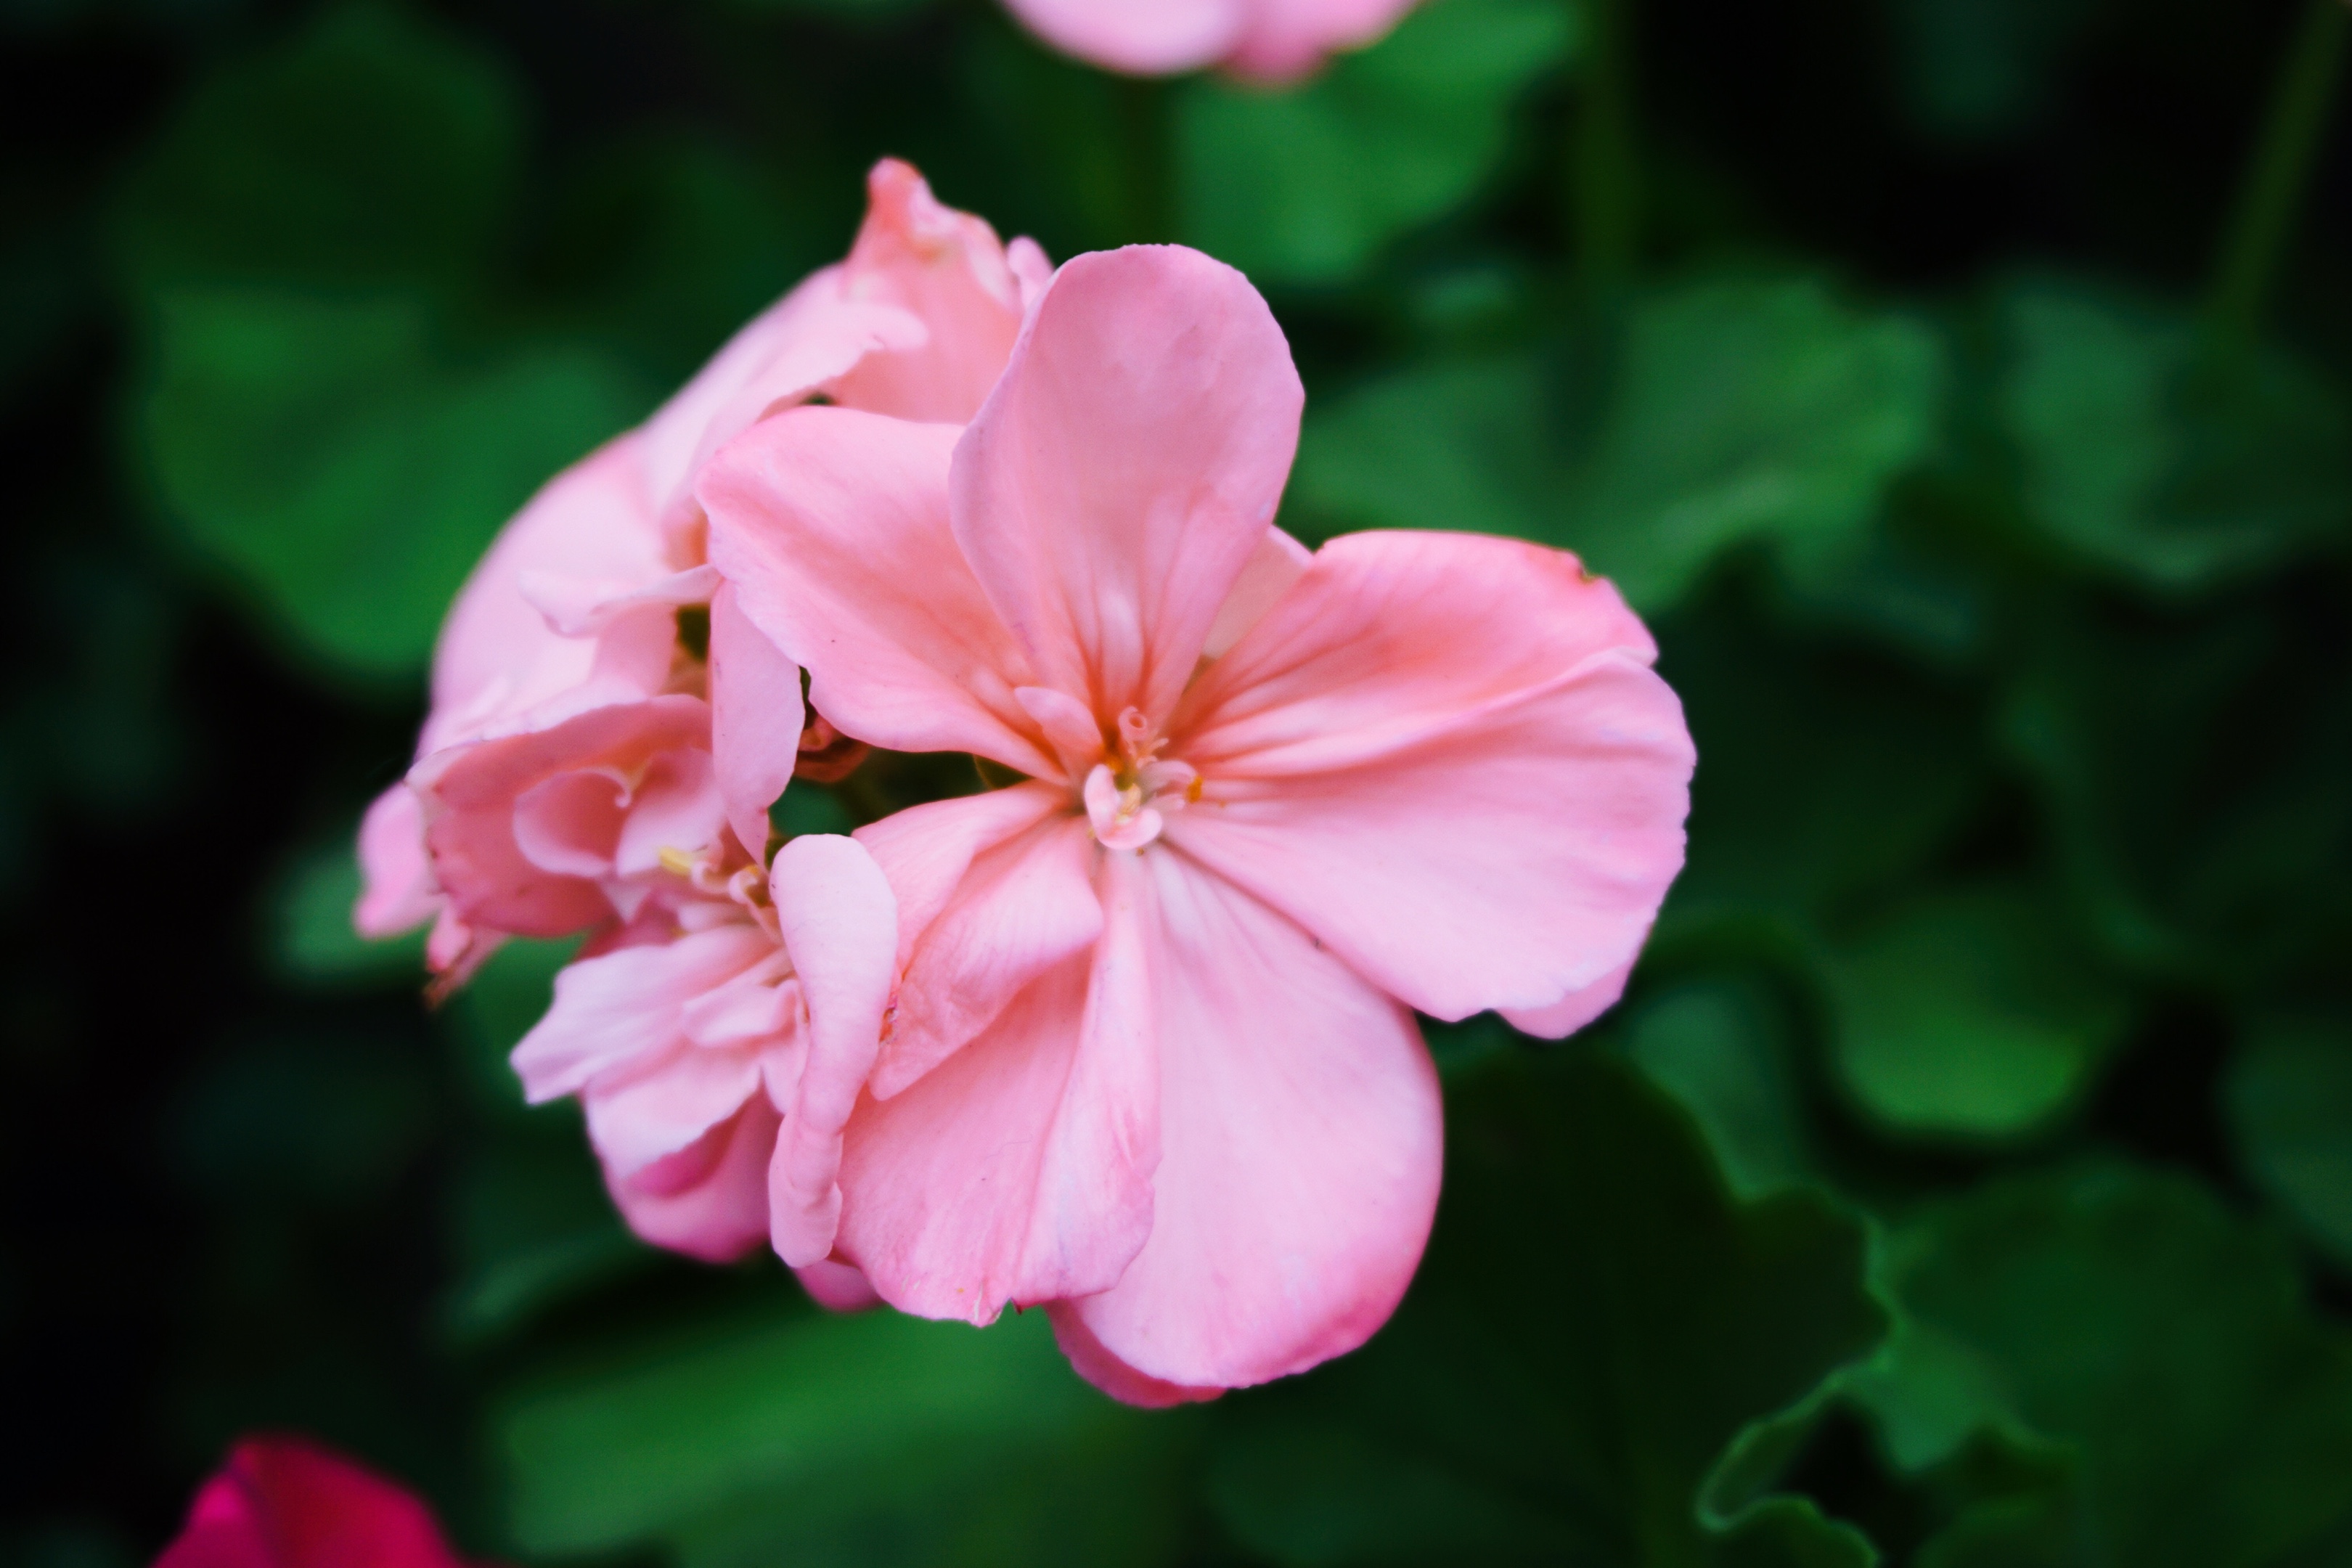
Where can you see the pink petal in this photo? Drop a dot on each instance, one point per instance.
(676, 806)
(756, 718)
(1023, 907)
(1020, 1169)
(780, 356)
(1126, 469)
(471, 793)
(925, 850)
(709, 1200)
(1387, 637)
(1146, 37)
(1032, 270)
(1286, 39)
(949, 270)
(1573, 1011)
(832, 526)
(283, 1502)
(497, 657)
(397, 893)
(660, 1103)
(1302, 1141)
(568, 824)
(837, 1287)
(840, 925)
(1273, 568)
(626, 1004)
(1448, 759)
(1109, 1374)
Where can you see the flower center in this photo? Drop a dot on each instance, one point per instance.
(1127, 804)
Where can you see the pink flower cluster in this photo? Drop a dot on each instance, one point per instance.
(1130, 1036)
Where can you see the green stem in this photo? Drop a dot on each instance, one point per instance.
(2271, 196)
(1607, 190)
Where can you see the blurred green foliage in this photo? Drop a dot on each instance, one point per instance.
(1967, 1178)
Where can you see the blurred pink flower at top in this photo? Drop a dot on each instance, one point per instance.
(567, 743)
(283, 1502)
(1152, 1059)
(1266, 40)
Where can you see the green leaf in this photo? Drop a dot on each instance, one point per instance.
(842, 1440)
(1721, 1047)
(1967, 1012)
(371, 148)
(2123, 1312)
(1980, 72)
(329, 458)
(1744, 410)
(489, 1016)
(1453, 446)
(1822, 776)
(2195, 770)
(2155, 459)
(312, 941)
(2288, 1095)
(1308, 186)
(530, 1227)
(1596, 1320)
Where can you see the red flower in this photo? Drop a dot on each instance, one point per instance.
(284, 1502)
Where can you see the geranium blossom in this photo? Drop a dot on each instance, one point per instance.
(282, 1502)
(1270, 40)
(569, 739)
(1153, 1060)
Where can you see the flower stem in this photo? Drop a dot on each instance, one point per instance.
(1606, 187)
(2270, 194)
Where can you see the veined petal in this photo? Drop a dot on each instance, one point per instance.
(1019, 1170)
(1273, 570)
(832, 526)
(1506, 860)
(840, 924)
(1301, 1143)
(1022, 906)
(756, 719)
(1126, 469)
(1385, 636)
(926, 849)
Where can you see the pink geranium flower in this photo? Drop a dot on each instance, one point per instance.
(568, 741)
(1269, 40)
(283, 1502)
(1153, 1060)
